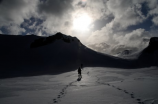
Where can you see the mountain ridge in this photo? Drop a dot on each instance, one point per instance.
(34, 55)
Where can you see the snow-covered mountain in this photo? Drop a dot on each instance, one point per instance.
(102, 47)
(120, 50)
(123, 51)
(34, 55)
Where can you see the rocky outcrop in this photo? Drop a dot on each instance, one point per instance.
(48, 40)
(149, 55)
(153, 45)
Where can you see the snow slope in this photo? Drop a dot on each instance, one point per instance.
(98, 86)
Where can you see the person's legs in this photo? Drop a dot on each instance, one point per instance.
(79, 76)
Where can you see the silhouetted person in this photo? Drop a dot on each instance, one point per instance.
(81, 66)
(79, 72)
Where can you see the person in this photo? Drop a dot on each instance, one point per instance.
(81, 66)
(79, 72)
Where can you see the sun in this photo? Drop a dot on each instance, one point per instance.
(82, 22)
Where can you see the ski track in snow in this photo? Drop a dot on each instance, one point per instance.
(63, 92)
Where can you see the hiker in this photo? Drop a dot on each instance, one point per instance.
(79, 72)
(81, 66)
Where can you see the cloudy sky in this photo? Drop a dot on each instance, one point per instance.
(123, 22)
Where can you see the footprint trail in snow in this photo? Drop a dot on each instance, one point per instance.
(139, 101)
(62, 93)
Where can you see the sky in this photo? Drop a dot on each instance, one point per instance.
(113, 22)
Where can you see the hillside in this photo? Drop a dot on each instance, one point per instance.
(149, 56)
(34, 55)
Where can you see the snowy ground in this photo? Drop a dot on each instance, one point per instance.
(98, 86)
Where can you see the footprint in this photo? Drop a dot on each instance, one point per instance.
(87, 72)
(62, 93)
(125, 91)
(132, 95)
(138, 99)
(54, 100)
(118, 88)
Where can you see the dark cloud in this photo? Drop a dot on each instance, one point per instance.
(81, 4)
(9, 9)
(13, 13)
(1, 1)
(55, 7)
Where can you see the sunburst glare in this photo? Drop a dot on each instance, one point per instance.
(82, 22)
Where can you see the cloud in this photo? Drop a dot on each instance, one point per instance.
(111, 19)
(14, 11)
(154, 11)
(133, 39)
(1, 32)
(152, 3)
(155, 20)
(57, 16)
(55, 7)
(15, 29)
(127, 13)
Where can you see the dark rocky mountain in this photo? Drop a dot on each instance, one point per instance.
(153, 45)
(34, 55)
(48, 40)
(149, 56)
